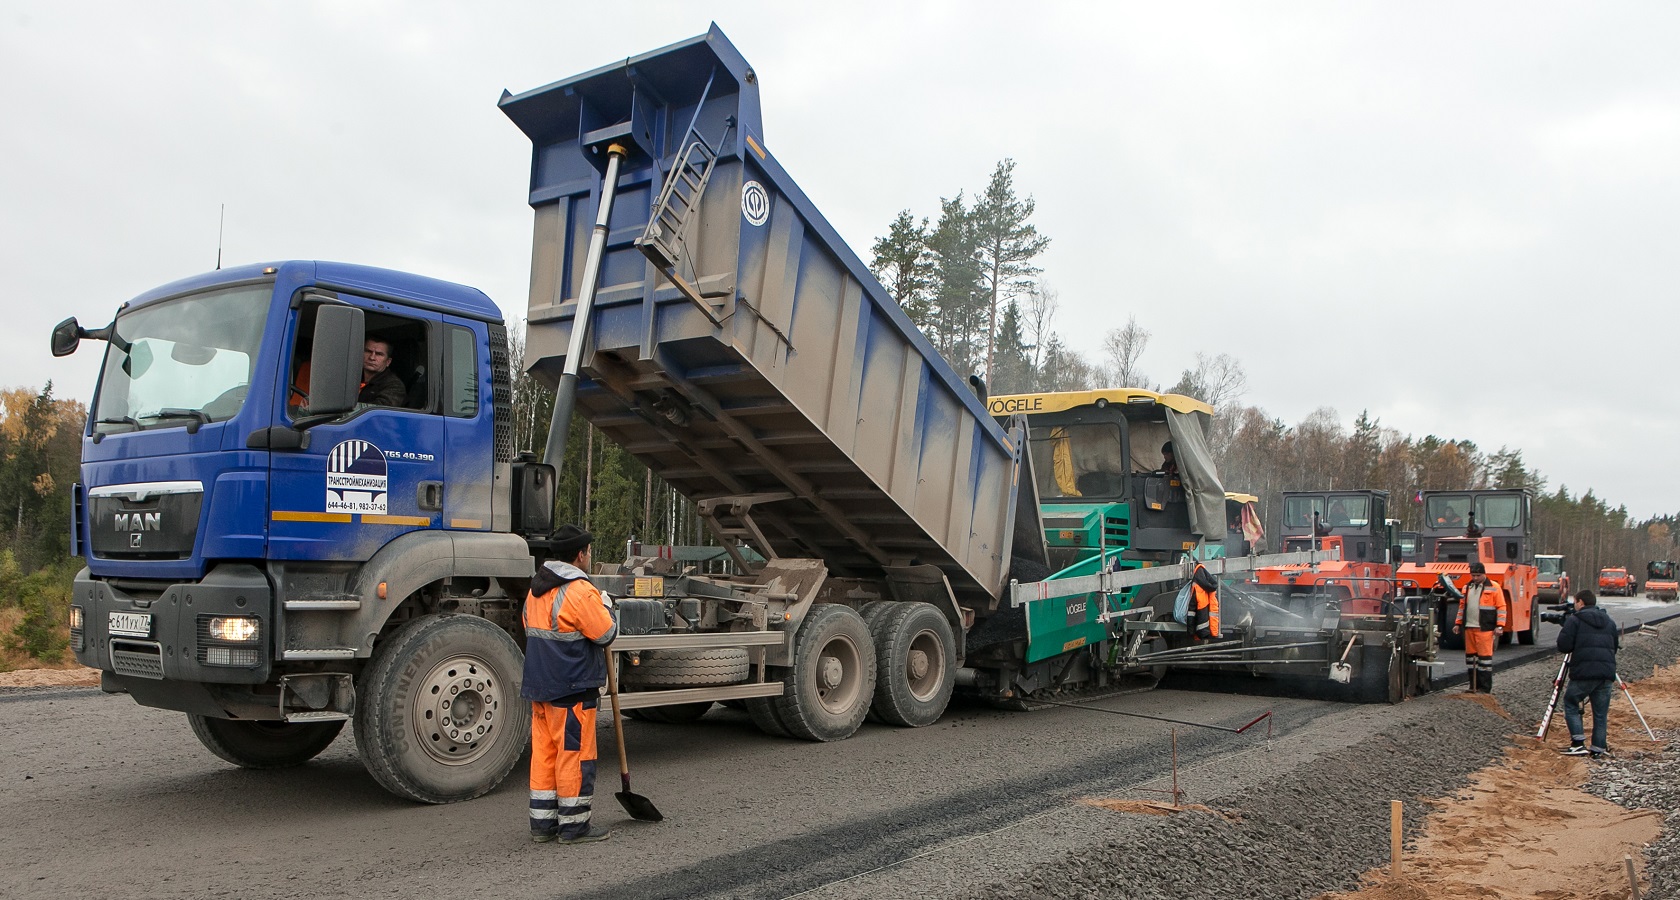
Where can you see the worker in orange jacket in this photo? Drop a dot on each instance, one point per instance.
(1204, 603)
(568, 625)
(1484, 602)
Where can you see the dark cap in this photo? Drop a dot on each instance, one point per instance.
(1477, 568)
(568, 541)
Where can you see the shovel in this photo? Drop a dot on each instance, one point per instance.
(640, 808)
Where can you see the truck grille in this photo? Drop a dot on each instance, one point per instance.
(141, 659)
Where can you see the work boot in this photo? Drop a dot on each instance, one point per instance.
(1487, 682)
(543, 837)
(595, 833)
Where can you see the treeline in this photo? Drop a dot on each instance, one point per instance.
(40, 456)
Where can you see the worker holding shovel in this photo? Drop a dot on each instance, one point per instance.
(568, 625)
(1481, 617)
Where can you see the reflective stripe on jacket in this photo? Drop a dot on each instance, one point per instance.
(1492, 596)
(566, 630)
(1205, 603)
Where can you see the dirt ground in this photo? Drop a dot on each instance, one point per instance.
(1525, 829)
(69, 676)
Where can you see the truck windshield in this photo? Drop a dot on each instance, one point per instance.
(1549, 566)
(1352, 512)
(1448, 512)
(1298, 511)
(1085, 461)
(1499, 512)
(182, 361)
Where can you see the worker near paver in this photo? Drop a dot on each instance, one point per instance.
(1481, 617)
(1592, 639)
(1204, 604)
(568, 625)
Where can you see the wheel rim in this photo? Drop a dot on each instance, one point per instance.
(925, 665)
(839, 674)
(456, 709)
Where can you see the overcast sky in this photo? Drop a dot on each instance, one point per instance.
(1461, 217)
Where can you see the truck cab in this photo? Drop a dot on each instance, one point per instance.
(1487, 526)
(1615, 580)
(256, 536)
(1353, 524)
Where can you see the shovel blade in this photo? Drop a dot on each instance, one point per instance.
(640, 808)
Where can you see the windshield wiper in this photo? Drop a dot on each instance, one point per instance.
(121, 420)
(199, 416)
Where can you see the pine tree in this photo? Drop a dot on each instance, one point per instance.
(1012, 370)
(958, 316)
(1007, 244)
(904, 265)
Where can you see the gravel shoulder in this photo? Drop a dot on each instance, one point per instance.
(1316, 819)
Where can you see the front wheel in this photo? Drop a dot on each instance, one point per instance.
(264, 745)
(439, 718)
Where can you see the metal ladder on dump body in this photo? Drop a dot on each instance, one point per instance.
(673, 214)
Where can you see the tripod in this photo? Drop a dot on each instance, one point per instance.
(1557, 692)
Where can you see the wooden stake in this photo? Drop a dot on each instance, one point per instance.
(1633, 879)
(1394, 834)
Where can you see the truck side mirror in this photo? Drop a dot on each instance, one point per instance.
(66, 337)
(1395, 554)
(1511, 549)
(335, 362)
(533, 497)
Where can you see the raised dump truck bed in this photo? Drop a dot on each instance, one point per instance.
(780, 386)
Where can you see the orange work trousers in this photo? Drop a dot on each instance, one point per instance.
(562, 767)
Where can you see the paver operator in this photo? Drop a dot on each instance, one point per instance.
(1481, 617)
(568, 625)
(1591, 639)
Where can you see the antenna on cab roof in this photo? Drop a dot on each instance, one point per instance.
(220, 221)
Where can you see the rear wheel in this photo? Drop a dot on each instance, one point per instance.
(833, 677)
(264, 745)
(439, 718)
(915, 664)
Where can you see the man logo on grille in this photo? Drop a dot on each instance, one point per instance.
(356, 478)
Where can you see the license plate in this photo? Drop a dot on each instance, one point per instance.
(130, 624)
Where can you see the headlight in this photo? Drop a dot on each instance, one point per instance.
(234, 629)
(75, 618)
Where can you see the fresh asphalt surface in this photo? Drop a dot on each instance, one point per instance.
(108, 799)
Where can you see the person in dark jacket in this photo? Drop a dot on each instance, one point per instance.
(1591, 639)
(568, 625)
(380, 385)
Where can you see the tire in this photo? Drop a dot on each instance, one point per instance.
(915, 665)
(437, 681)
(764, 715)
(1527, 638)
(832, 681)
(676, 713)
(688, 668)
(264, 745)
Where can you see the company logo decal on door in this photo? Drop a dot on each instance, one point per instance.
(356, 478)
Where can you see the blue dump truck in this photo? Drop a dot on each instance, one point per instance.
(301, 504)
